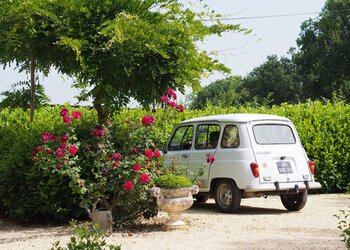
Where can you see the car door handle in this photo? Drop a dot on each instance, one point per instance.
(184, 156)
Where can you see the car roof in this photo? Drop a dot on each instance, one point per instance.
(246, 117)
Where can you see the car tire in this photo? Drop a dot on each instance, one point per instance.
(294, 202)
(202, 198)
(227, 196)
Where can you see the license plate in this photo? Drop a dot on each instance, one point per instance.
(284, 167)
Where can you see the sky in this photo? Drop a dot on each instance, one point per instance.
(241, 53)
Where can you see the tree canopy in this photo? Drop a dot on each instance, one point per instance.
(116, 49)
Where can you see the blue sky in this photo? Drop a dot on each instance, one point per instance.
(241, 53)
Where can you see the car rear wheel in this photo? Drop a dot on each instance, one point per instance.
(202, 198)
(227, 196)
(294, 202)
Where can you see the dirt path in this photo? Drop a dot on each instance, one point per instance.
(260, 224)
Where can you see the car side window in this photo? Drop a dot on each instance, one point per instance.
(230, 137)
(182, 139)
(207, 136)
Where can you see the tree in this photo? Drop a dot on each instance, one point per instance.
(20, 97)
(323, 53)
(28, 39)
(136, 49)
(275, 81)
(224, 93)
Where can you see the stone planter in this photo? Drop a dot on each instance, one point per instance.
(101, 214)
(174, 201)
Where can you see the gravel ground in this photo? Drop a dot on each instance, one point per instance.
(260, 224)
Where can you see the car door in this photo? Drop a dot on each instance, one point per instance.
(206, 143)
(178, 149)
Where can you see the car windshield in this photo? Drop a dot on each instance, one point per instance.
(273, 134)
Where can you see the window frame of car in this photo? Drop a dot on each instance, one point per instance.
(208, 134)
(235, 144)
(188, 126)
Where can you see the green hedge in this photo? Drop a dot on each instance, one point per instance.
(25, 194)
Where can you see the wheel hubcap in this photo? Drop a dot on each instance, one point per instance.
(225, 195)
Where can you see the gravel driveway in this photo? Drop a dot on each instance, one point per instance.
(260, 224)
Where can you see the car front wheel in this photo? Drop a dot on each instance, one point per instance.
(294, 202)
(227, 196)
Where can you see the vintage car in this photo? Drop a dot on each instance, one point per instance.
(256, 155)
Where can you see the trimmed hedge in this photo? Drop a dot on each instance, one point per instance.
(25, 194)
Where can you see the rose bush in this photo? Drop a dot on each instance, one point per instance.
(101, 167)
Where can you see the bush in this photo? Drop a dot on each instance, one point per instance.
(30, 195)
(173, 181)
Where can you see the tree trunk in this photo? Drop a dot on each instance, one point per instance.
(32, 89)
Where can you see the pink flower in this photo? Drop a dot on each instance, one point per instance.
(73, 149)
(37, 149)
(63, 145)
(128, 185)
(164, 98)
(180, 108)
(211, 158)
(144, 178)
(76, 115)
(48, 151)
(117, 156)
(64, 138)
(157, 154)
(172, 93)
(98, 132)
(60, 153)
(64, 112)
(59, 166)
(149, 153)
(148, 120)
(45, 137)
(137, 167)
(66, 120)
(172, 104)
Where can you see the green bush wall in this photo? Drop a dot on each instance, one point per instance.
(25, 194)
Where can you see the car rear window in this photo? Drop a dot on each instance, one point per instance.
(273, 134)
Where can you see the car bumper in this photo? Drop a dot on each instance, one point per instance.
(281, 186)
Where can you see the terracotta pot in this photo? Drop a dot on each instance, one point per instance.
(174, 201)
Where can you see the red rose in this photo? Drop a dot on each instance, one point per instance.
(73, 149)
(60, 153)
(64, 138)
(45, 137)
(98, 132)
(164, 99)
(63, 145)
(137, 167)
(135, 150)
(117, 156)
(144, 178)
(37, 149)
(64, 112)
(211, 158)
(180, 108)
(76, 115)
(154, 110)
(149, 153)
(128, 185)
(48, 151)
(157, 154)
(59, 166)
(172, 104)
(66, 120)
(148, 120)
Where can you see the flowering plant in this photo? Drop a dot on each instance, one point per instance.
(101, 166)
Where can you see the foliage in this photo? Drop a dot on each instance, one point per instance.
(173, 181)
(29, 195)
(223, 93)
(275, 79)
(323, 55)
(20, 97)
(344, 226)
(85, 238)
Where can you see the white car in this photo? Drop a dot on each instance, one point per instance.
(256, 155)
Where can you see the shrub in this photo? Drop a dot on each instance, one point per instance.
(173, 181)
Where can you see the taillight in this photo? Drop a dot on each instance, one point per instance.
(312, 167)
(255, 169)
